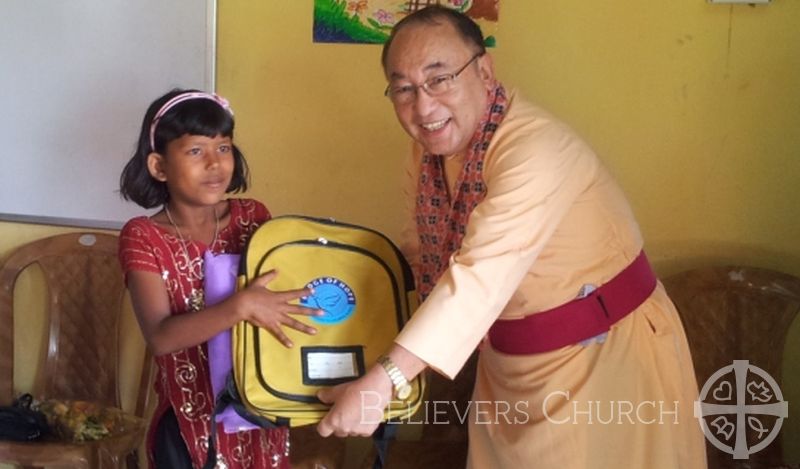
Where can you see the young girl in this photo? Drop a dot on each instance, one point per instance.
(186, 162)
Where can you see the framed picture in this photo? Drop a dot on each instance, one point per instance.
(370, 21)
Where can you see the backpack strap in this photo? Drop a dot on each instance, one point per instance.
(232, 397)
(383, 435)
(229, 396)
(386, 432)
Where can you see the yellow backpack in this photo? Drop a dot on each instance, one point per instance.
(366, 289)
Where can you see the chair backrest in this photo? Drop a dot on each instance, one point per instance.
(85, 291)
(736, 313)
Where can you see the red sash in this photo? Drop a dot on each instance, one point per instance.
(579, 319)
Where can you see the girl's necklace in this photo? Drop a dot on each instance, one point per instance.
(196, 299)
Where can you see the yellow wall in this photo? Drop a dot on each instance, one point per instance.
(311, 119)
(695, 108)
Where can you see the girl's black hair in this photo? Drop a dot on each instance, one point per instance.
(468, 29)
(190, 117)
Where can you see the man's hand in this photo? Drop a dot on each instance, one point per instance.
(357, 406)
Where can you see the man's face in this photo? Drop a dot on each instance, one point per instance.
(442, 124)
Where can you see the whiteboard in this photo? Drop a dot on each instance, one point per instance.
(76, 78)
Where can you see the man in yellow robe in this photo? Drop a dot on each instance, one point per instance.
(524, 246)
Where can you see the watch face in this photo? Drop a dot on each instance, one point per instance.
(404, 392)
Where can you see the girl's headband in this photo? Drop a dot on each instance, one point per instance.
(179, 99)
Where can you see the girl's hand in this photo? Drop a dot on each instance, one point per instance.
(270, 310)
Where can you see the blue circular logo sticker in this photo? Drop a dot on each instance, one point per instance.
(333, 296)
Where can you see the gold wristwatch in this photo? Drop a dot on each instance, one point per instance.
(402, 388)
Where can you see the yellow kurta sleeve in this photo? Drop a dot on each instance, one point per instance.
(535, 168)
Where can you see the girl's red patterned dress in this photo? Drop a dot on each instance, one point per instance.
(182, 380)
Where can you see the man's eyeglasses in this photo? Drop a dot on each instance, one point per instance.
(434, 86)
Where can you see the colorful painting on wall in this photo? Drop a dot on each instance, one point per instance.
(370, 21)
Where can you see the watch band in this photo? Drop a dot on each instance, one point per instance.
(402, 388)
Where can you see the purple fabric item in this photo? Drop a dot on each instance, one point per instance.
(219, 282)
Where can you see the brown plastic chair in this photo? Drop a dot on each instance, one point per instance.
(736, 313)
(85, 289)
